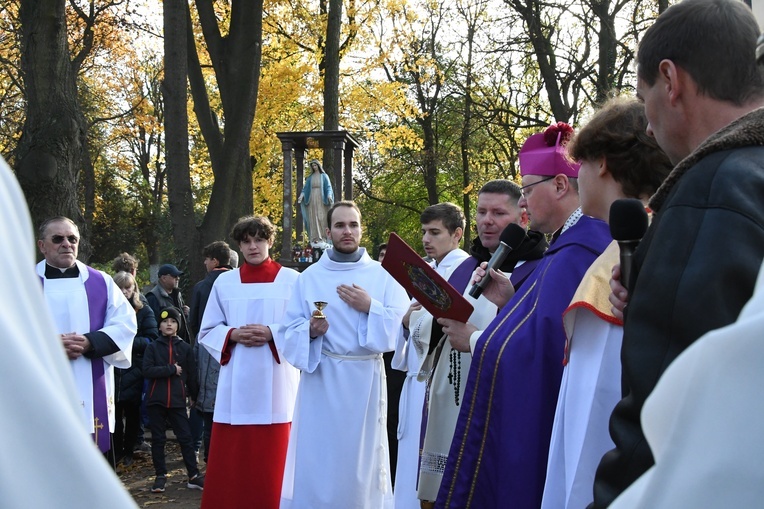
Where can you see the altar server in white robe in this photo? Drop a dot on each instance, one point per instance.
(338, 449)
(96, 322)
(257, 387)
(442, 230)
(43, 420)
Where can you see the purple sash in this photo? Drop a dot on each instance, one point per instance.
(460, 278)
(95, 288)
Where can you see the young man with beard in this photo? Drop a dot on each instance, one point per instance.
(338, 451)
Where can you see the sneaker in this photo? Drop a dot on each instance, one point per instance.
(127, 461)
(196, 482)
(143, 447)
(159, 483)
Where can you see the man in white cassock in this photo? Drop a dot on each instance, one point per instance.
(48, 457)
(94, 319)
(442, 230)
(256, 387)
(338, 449)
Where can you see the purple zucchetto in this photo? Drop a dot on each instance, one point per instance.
(545, 153)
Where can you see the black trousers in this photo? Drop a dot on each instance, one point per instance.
(207, 418)
(159, 416)
(128, 425)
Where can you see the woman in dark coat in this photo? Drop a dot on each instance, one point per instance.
(128, 383)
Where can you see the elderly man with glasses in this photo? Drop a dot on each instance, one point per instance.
(96, 323)
(498, 454)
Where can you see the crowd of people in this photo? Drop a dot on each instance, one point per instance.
(565, 388)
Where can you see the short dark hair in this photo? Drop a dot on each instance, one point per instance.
(125, 262)
(382, 247)
(502, 186)
(254, 226)
(617, 132)
(450, 214)
(55, 219)
(714, 41)
(219, 251)
(337, 204)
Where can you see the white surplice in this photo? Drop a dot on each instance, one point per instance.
(580, 432)
(252, 388)
(589, 390)
(338, 451)
(68, 304)
(412, 402)
(703, 422)
(443, 410)
(49, 458)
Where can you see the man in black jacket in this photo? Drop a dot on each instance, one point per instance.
(697, 265)
(167, 294)
(216, 260)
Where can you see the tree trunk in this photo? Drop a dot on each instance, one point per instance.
(236, 61)
(539, 35)
(332, 69)
(429, 162)
(175, 95)
(465, 138)
(51, 150)
(608, 42)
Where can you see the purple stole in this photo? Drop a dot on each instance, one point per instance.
(95, 287)
(521, 273)
(459, 279)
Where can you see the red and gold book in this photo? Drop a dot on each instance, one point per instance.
(423, 283)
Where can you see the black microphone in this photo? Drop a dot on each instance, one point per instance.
(628, 224)
(512, 236)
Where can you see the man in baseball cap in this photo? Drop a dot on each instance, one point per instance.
(167, 294)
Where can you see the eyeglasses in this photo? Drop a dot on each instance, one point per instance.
(522, 189)
(58, 239)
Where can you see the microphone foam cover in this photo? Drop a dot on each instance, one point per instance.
(513, 235)
(628, 219)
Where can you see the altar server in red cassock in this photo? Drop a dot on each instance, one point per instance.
(257, 386)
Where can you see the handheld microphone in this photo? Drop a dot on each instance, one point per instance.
(512, 236)
(628, 224)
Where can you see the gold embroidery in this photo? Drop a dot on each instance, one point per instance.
(97, 425)
(459, 458)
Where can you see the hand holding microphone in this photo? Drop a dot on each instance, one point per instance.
(512, 236)
(628, 224)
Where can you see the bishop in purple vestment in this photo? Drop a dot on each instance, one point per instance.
(499, 452)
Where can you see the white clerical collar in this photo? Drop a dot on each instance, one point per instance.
(572, 220)
(450, 259)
